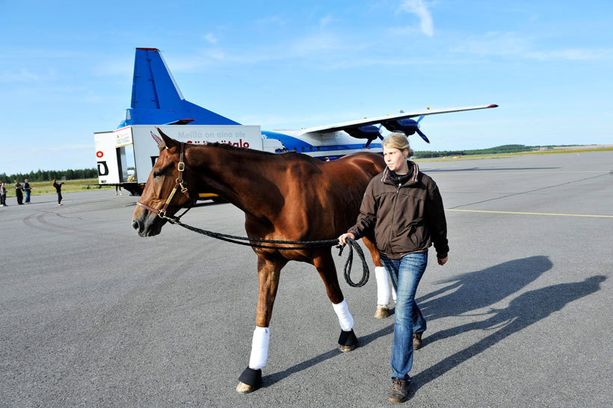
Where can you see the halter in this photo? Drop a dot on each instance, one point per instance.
(178, 186)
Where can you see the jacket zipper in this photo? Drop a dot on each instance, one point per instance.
(394, 220)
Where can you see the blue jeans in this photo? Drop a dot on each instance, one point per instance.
(406, 273)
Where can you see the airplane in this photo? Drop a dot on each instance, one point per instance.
(156, 99)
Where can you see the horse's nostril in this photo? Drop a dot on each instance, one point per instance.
(135, 225)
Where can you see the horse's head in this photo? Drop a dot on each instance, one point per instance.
(166, 190)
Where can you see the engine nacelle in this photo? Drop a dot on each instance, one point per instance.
(406, 126)
(369, 132)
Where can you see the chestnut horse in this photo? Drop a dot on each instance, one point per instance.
(284, 197)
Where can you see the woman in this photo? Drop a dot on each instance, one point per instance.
(405, 209)
(27, 189)
(19, 192)
(2, 194)
(58, 190)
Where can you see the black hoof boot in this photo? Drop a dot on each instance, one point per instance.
(347, 341)
(249, 381)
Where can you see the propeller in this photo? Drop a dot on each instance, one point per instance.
(406, 126)
(378, 134)
(419, 132)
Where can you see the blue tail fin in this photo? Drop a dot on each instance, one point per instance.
(157, 100)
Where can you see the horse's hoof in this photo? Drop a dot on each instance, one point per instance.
(249, 381)
(346, 349)
(243, 388)
(383, 312)
(347, 341)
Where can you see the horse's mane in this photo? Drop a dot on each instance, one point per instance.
(258, 153)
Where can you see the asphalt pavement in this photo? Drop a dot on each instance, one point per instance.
(91, 315)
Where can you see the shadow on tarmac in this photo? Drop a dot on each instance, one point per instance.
(475, 290)
(523, 311)
(472, 291)
(364, 340)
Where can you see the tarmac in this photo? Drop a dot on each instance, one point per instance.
(91, 315)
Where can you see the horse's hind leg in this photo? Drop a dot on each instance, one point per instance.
(327, 271)
(385, 291)
(268, 282)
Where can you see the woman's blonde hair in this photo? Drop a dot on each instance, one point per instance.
(397, 141)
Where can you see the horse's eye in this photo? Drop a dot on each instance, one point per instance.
(163, 171)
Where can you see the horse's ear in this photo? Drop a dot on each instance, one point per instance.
(158, 140)
(167, 140)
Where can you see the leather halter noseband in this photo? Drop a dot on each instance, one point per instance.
(178, 186)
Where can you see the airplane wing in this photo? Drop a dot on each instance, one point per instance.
(387, 118)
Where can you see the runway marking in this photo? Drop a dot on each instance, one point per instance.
(530, 213)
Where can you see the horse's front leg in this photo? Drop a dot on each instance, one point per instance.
(327, 271)
(268, 282)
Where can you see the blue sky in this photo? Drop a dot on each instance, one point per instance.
(66, 68)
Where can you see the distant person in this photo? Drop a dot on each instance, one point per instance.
(117, 189)
(2, 194)
(19, 192)
(58, 189)
(27, 189)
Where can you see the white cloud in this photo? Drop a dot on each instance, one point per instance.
(21, 75)
(325, 21)
(315, 44)
(211, 38)
(572, 54)
(419, 8)
(513, 45)
(272, 21)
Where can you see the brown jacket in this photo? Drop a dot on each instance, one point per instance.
(408, 217)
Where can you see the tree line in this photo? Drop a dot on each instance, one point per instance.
(48, 175)
(512, 148)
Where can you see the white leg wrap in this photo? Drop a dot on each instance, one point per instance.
(344, 315)
(384, 286)
(259, 348)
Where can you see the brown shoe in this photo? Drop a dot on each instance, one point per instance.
(417, 343)
(399, 391)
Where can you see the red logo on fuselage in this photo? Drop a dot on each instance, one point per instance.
(99, 154)
(241, 143)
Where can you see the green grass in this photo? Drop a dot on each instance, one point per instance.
(559, 150)
(46, 187)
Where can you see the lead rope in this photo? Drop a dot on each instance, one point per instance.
(263, 243)
(259, 243)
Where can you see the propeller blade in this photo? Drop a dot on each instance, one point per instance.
(368, 143)
(421, 134)
(420, 118)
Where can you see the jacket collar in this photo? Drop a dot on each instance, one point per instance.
(386, 177)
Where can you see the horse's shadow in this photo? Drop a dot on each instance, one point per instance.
(472, 291)
(364, 340)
